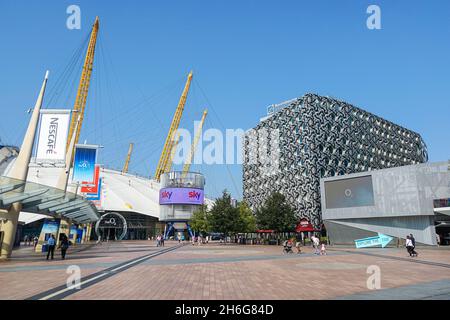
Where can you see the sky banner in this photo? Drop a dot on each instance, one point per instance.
(52, 139)
(84, 163)
(181, 196)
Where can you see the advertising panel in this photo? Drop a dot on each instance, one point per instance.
(92, 186)
(80, 233)
(52, 138)
(181, 196)
(84, 163)
(73, 232)
(351, 192)
(49, 227)
(95, 196)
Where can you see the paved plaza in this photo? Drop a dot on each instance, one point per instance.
(140, 270)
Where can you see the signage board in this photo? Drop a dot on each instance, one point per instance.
(52, 138)
(180, 225)
(181, 196)
(380, 240)
(95, 196)
(92, 187)
(84, 163)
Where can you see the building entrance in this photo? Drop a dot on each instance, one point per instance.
(111, 226)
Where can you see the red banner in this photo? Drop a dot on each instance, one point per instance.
(92, 187)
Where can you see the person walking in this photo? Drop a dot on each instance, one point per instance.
(162, 240)
(35, 240)
(51, 242)
(64, 245)
(298, 246)
(413, 241)
(315, 242)
(158, 240)
(323, 249)
(410, 247)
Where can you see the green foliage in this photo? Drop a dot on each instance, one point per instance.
(276, 214)
(199, 220)
(224, 218)
(247, 220)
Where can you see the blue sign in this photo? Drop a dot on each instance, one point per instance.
(380, 240)
(79, 235)
(49, 227)
(95, 196)
(84, 164)
(73, 232)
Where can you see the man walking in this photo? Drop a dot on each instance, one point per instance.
(315, 242)
(413, 241)
(51, 242)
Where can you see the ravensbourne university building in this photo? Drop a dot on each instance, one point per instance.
(313, 137)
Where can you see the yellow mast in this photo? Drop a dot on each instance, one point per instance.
(165, 162)
(83, 87)
(187, 163)
(127, 161)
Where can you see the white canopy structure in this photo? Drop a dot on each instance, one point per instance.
(119, 192)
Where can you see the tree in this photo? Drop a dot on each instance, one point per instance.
(199, 220)
(276, 214)
(223, 217)
(247, 221)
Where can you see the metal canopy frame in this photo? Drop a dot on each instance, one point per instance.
(46, 200)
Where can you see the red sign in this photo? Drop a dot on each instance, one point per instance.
(304, 226)
(92, 187)
(265, 231)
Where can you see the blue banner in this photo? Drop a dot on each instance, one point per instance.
(73, 232)
(50, 227)
(84, 164)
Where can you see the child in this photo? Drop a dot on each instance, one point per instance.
(298, 245)
(323, 249)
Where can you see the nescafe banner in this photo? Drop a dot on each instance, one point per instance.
(181, 196)
(52, 138)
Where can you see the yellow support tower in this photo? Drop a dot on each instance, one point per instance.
(127, 161)
(83, 87)
(187, 163)
(165, 162)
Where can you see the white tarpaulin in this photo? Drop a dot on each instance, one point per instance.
(53, 131)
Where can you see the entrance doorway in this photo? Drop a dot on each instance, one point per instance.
(111, 226)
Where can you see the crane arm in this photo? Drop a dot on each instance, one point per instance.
(83, 87)
(127, 161)
(166, 154)
(188, 161)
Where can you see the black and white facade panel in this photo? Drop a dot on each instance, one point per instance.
(314, 137)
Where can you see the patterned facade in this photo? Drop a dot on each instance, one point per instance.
(315, 137)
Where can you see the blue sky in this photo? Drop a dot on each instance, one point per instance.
(245, 56)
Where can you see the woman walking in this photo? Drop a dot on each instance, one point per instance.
(410, 247)
(64, 246)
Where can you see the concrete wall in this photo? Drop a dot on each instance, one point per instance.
(401, 191)
(403, 203)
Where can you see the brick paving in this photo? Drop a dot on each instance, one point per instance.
(218, 271)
